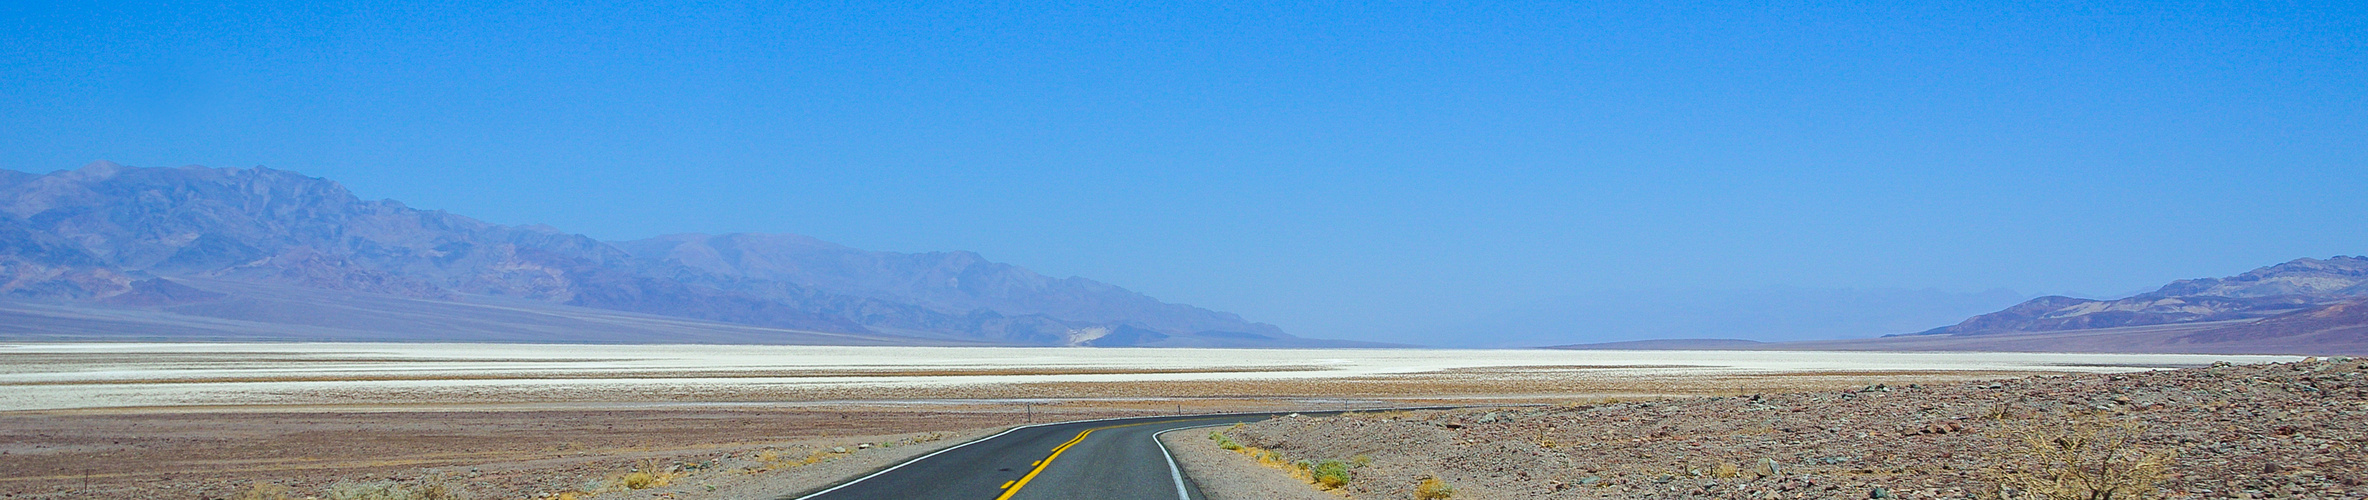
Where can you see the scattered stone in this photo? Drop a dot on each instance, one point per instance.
(2281, 429)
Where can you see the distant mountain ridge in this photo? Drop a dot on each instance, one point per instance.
(2298, 285)
(2301, 307)
(950, 281)
(107, 235)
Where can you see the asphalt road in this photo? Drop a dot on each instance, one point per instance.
(1094, 460)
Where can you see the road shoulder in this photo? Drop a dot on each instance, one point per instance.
(1225, 475)
(758, 476)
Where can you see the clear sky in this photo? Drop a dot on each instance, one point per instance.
(1353, 170)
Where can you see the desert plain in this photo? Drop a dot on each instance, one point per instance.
(221, 420)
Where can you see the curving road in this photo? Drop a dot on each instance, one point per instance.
(1089, 460)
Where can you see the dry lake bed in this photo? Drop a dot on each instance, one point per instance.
(210, 420)
(71, 376)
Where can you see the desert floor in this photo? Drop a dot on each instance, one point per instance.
(128, 420)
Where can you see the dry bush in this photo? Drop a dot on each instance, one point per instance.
(1329, 474)
(650, 474)
(1725, 470)
(390, 490)
(642, 480)
(2002, 411)
(266, 491)
(1224, 441)
(1432, 488)
(1325, 474)
(775, 459)
(2083, 458)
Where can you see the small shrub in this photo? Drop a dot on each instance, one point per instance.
(1269, 458)
(390, 490)
(1330, 474)
(771, 459)
(1224, 441)
(1725, 471)
(2087, 458)
(641, 481)
(2002, 411)
(1327, 474)
(266, 491)
(1432, 488)
(650, 474)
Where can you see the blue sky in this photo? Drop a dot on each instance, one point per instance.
(1393, 171)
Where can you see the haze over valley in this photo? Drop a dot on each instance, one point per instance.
(666, 250)
(109, 252)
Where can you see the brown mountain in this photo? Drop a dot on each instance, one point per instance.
(948, 281)
(159, 246)
(2302, 307)
(2306, 306)
(2296, 286)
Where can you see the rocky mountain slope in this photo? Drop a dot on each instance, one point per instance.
(168, 239)
(2302, 284)
(2307, 306)
(949, 281)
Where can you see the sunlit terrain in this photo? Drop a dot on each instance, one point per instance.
(104, 375)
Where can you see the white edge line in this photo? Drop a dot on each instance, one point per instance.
(1162, 449)
(1173, 471)
(951, 448)
(914, 459)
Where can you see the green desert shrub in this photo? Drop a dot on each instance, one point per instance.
(1330, 474)
(1224, 441)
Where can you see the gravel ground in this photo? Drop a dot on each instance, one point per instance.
(481, 455)
(750, 476)
(1225, 475)
(2253, 431)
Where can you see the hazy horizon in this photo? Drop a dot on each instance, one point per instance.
(1358, 172)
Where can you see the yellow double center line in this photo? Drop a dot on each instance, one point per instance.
(1013, 487)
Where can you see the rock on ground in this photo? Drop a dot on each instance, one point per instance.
(2260, 431)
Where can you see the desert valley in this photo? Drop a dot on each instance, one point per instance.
(257, 334)
(1224, 250)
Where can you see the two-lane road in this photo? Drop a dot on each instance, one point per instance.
(1091, 460)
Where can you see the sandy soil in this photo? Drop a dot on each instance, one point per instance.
(483, 454)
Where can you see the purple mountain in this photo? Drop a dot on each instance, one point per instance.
(108, 251)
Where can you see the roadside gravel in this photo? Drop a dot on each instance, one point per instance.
(2282, 430)
(1225, 475)
(773, 473)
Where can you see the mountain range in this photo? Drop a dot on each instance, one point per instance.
(109, 252)
(114, 252)
(2304, 306)
(2297, 286)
